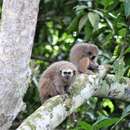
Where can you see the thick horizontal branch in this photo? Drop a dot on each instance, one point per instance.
(56, 109)
(111, 88)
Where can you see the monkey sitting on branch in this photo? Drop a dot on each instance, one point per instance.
(56, 79)
(83, 56)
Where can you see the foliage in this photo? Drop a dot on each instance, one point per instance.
(61, 23)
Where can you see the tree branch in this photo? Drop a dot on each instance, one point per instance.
(56, 109)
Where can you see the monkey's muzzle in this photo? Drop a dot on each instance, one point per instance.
(93, 66)
(67, 77)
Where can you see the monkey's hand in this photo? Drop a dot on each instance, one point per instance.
(89, 72)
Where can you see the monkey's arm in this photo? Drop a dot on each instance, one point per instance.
(59, 86)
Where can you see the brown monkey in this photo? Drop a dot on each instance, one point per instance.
(56, 79)
(83, 55)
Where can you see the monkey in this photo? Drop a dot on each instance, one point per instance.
(83, 56)
(56, 79)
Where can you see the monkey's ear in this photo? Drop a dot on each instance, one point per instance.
(74, 72)
(60, 71)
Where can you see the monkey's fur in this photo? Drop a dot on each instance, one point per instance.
(56, 79)
(83, 55)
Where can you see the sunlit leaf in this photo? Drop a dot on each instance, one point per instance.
(80, 7)
(99, 13)
(94, 19)
(82, 22)
(117, 50)
(110, 24)
(108, 102)
(85, 126)
(122, 32)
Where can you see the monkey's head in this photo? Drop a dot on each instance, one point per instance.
(91, 51)
(84, 56)
(68, 73)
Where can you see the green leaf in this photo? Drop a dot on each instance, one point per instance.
(82, 22)
(94, 19)
(108, 102)
(127, 8)
(106, 3)
(110, 24)
(122, 32)
(104, 122)
(127, 50)
(99, 13)
(80, 7)
(85, 126)
(74, 24)
(106, 19)
(126, 111)
(117, 51)
(88, 31)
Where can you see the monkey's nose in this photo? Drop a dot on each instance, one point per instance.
(67, 77)
(93, 66)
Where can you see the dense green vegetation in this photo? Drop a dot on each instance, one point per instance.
(62, 23)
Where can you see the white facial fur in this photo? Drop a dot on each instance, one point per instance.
(65, 72)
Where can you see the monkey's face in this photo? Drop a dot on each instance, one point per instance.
(67, 75)
(92, 53)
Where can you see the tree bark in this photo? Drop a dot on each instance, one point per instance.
(56, 109)
(17, 31)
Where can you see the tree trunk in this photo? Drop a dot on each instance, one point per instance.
(18, 24)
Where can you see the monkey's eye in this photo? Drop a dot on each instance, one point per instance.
(69, 73)
(65, 73)
(89, 53)
(60, 71)
(74, 72)
(93, 57)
